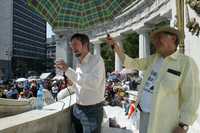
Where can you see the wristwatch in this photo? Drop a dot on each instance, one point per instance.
(184, 126)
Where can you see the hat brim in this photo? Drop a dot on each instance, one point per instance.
(133, 98)
(153, 34)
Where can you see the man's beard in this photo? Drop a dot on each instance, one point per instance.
(77, 54)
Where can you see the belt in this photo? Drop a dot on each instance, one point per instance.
(90, 106)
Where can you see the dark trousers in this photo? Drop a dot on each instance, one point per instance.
(144, 122)
(87, 119)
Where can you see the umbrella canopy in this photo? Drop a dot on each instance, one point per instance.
(31, 78)
(78, 14)
(128, 71)
(45, 75)
(21, 79)
(58, 77)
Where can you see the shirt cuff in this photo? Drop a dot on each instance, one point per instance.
(188, 119)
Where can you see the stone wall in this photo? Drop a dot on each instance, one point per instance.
(51, 119)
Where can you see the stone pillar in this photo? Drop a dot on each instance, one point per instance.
(173, 19)
(144, 44)
(192, 41)
(118, 63)
(97, 49)
(63, 50)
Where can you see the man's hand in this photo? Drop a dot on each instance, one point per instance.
(110, 41)
(120, 52)
(179, 130)
(60, 64)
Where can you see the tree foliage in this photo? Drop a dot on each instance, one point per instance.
(109, 57)
(131, 48)
(131, 44)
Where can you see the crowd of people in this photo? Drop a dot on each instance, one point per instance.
(117, 85)
(27, 89)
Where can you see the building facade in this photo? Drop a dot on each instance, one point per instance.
(5, 38)
(23, 39)
(51, 48)
(51, 52)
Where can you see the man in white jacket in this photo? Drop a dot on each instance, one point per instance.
(170, 91)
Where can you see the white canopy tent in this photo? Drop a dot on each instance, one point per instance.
(44, 75)
(58, 77)
(21, 79)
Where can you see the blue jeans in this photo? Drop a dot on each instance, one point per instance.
(87, 119)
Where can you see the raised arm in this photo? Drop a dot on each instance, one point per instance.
(128, 62)
(120, 52)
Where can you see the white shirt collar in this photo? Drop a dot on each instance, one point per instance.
(86, 58)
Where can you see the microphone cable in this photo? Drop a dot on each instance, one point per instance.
(66, 83)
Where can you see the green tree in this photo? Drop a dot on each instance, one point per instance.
(108, 56)
(131, 44)
(131, 48)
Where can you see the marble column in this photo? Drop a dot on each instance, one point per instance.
(118, 63)
(63, 50)
(173, 19)
(97, 49)
(144, 44)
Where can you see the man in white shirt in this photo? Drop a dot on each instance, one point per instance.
(89, 80)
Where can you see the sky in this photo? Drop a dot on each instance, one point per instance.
(49, 31)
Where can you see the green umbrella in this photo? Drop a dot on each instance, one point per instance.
(78, 14)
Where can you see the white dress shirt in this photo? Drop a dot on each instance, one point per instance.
(89, 80)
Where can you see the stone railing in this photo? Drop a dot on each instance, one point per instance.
(54, 118)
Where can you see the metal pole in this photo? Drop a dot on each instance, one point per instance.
(180, 23)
